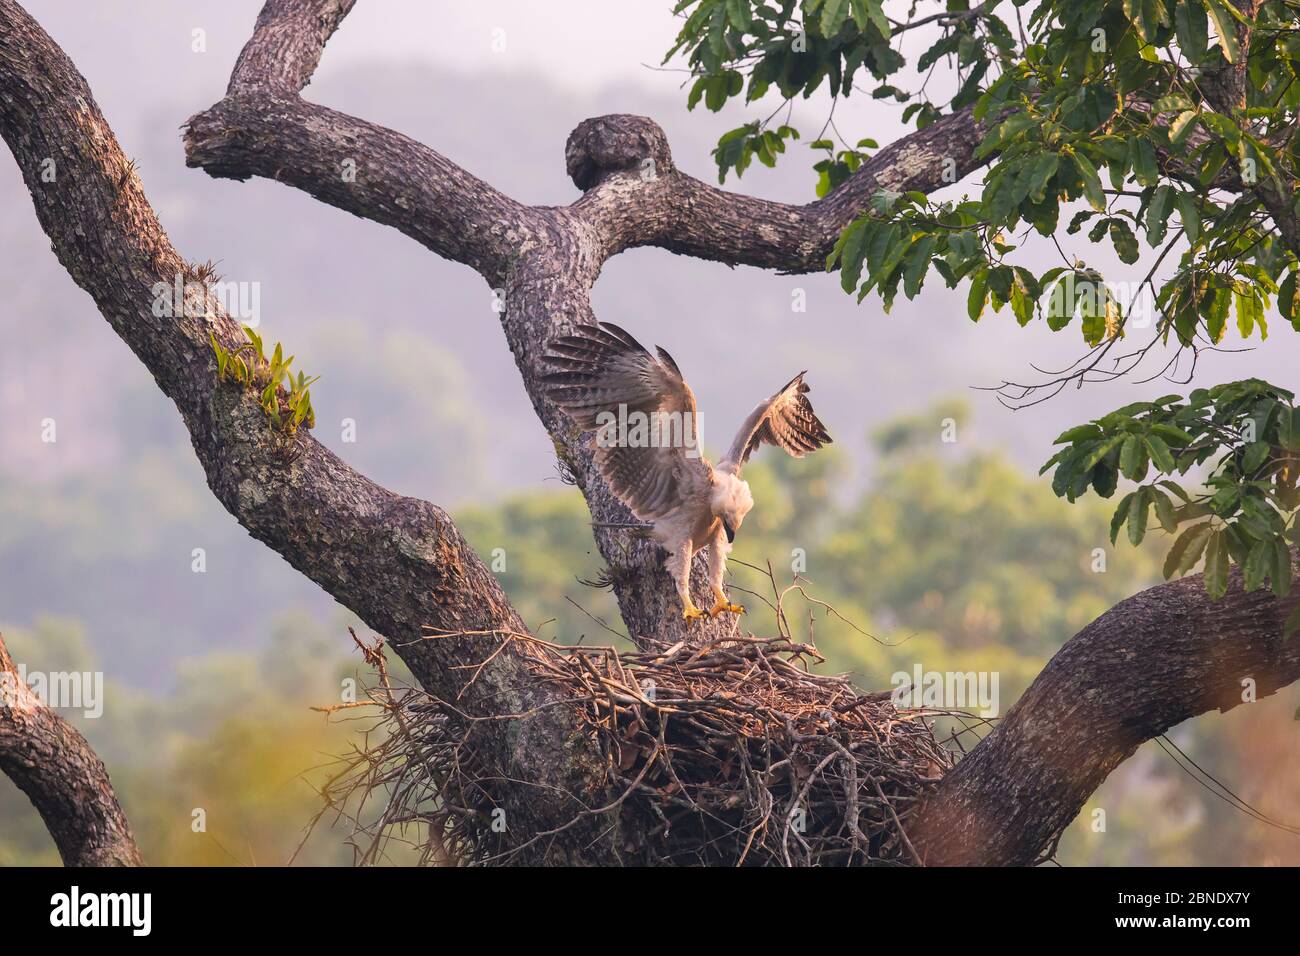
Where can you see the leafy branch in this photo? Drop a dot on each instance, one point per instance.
(1247, 433)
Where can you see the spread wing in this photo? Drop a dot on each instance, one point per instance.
(603, 373)
(786, 420)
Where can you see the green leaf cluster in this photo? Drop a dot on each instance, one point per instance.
(282, 395)
(1243, 438)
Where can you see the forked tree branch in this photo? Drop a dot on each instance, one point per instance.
(264, 128)
(543, 260)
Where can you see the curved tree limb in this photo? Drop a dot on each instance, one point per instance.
(710, 223)
(1146, 665)
(264, 128)
(49, 760)
(398, 562)
(630, 202)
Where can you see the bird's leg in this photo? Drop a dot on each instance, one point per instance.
(679, 566)
(718, 549)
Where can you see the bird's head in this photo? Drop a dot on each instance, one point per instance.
(730, 501)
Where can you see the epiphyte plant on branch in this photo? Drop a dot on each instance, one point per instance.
(1169, 123)
(285, 398)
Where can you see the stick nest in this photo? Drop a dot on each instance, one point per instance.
(731, 753)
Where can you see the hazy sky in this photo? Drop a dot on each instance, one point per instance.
(579, 46)
(438, 72)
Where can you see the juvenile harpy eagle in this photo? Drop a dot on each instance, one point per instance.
(646, 440)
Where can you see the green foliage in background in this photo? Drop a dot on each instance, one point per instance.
(541, 548)
(949, 556)
(236, 738)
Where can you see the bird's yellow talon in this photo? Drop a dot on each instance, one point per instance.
(691, 613)
(723, 604)
(726, 606)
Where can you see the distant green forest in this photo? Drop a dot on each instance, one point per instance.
(951, 557)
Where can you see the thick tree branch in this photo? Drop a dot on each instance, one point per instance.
(286, 47)
(712, 224)
(1146, 665)
(632, 203)
(67, 783)
(399, 563)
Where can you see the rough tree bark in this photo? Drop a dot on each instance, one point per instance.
(1146, 665)
(401, 564)
(48, 760)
